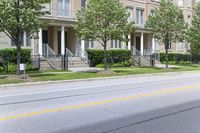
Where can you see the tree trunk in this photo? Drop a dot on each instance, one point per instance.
(105, 56)
(167, 59)
(18, 59)
(18, 37)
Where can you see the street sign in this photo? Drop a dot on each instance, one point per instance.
(22, 67)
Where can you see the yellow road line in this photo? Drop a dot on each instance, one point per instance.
(95, 103)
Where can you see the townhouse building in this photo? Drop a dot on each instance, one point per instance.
(59, 36)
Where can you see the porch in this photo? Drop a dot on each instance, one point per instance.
(142, 42)
(55, 42)
(57, 38)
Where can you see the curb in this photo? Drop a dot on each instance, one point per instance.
(93, 79)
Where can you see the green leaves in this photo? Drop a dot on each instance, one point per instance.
(194, 32)
(103, 20)
(17, 18)
(167, 24)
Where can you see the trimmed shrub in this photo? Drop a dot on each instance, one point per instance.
(96, 57)
(9, 55)
(175, 57)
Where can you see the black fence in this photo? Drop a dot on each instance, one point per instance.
(35, 62)
(59, 62)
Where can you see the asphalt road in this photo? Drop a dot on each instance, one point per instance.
(165, 103)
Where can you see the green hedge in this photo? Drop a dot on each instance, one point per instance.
(175, 57)
(96, 57)
(9, 55)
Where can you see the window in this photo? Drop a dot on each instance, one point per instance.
(189, 3)
(22, 39)
(180, 2)
(152, 13)
(116, 44)
(47, 7)
(139, 16)
(63, 7)
(26, 40)
(83, 4)
(189, 20)
(130, 13)
(89, 44)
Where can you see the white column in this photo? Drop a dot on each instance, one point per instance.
(83, 44)
(62, 40)
(153, 45)
(40, 42)
(129, 42)
(24, 39)
(142, 44)
(82, 47)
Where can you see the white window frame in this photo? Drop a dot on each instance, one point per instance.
(139, 16)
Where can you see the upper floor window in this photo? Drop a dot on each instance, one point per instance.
(190, 3)
(130, 14)
(180, 2)
(47, 7)
(83, 4)
(63, 7)
(139, 16)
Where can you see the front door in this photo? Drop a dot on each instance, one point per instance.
(138, 42)
(44, 42)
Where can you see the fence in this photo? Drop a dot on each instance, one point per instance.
(58, 62)
(36, 62)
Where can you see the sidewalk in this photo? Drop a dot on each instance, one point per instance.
(164, 66)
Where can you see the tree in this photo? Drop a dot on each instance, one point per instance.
(19, 16)
(194, 31)
(167, 24)
(103, 20)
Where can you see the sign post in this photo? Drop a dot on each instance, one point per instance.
(23, 68)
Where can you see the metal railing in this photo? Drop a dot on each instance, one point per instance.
(142, 60)
(51, 57)
(70, 56)
(147, 52)
(82, 54)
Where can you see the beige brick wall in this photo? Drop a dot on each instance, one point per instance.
(5, 41)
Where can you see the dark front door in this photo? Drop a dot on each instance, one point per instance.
(44, 42)
(138, 43)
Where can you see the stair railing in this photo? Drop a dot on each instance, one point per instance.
(51, 56)
(147, 52)
(70, 56)
(142, 60)
(82, 54)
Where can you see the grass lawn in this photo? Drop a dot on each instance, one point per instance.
(6, 81)
(55, 75)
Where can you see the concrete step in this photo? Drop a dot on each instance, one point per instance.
(80, 65)
(75, 63)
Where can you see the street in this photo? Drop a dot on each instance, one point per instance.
(160, 103)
